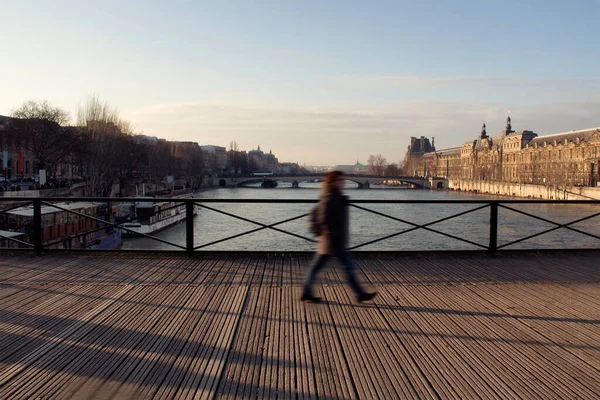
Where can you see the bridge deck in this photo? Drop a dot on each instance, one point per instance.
(456, 326)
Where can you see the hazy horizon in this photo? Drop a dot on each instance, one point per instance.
(318, 83)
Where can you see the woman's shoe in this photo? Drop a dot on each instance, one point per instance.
(365, 297)
(310, 298)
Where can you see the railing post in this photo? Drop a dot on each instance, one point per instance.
(38, 244)
(189, 226)
(493, 227)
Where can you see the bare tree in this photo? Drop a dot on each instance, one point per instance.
(392, 169)
(38, 128)
(377, 164)
(189, 164)
(160, 161)
(105, 143)
(232, 153)
(238, 160)
(233, 146)
(42, 110)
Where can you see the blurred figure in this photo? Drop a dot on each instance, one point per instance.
(332, 240)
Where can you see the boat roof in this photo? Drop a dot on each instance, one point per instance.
(27, 211)
(10, 234)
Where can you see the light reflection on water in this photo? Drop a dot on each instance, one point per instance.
(364, 226)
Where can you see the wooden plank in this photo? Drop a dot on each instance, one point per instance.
(477, 369)
(49, 317)
(148, 372)
(417, 343)
(389, 362)
(208, 380)
(304, 366)
(267, 385)
(23, 268)
(98, 351)
(287, 388)
(521, 346)
(250, 375)
(63, 339)
(356, 346)
(109, 365)
(218, 325)
(242, 355)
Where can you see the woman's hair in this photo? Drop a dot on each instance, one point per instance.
(328, 185)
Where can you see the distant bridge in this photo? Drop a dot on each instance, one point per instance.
(363, 181)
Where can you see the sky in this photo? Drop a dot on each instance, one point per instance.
(317, 82)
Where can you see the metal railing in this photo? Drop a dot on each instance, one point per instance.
(38, 243)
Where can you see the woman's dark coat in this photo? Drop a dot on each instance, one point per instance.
(334, 233)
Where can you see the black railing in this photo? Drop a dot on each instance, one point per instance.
(29, 214)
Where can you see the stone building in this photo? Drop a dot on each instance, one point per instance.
(414, 162)
(357, 168)
(562, 160)
(259, 160)
(271, 160)
(215, 159)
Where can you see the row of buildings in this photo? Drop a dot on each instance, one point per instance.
(16, 161)
(561, 160)
(219, 161)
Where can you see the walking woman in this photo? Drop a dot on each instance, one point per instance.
(332, 217)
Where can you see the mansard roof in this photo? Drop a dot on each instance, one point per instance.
(584, 135)
(448, 152)
(478, 143)
(498, 140)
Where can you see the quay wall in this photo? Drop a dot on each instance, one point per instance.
(524, 190)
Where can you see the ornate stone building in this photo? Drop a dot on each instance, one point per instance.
(259, 160)
(562, 160)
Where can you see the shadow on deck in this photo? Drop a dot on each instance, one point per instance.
(519, 325)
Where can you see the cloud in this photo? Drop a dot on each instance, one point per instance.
(423, 81)
(327, 137)
(483, 88)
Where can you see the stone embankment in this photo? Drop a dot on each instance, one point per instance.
(525, 190)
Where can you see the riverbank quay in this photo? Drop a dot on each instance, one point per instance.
(230, 325)
(525, 190)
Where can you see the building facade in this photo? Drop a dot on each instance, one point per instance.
(14, 160)
(259, 160)
(561, 160)
(215, 159)
(356, 169)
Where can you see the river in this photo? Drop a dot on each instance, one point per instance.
(210, 226)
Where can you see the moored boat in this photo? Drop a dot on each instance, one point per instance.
(67, 227)
(10, 240)
(152, 215)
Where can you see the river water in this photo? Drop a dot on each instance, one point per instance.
(210, 226)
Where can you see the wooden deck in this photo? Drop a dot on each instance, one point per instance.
(443, 326)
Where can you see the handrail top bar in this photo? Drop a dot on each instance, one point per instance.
(296, 201)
